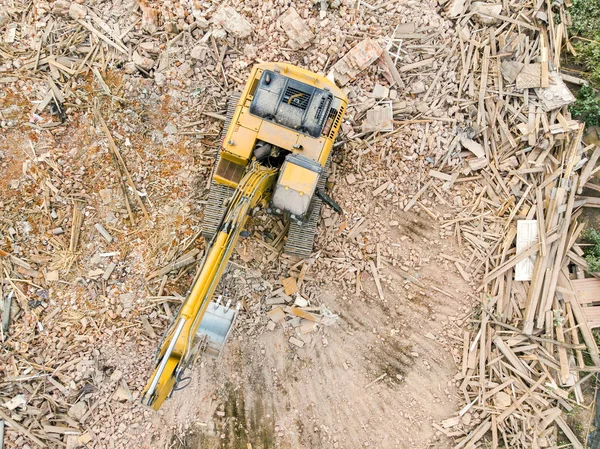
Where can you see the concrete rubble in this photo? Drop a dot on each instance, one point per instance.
(298, 32)
(356, 60)
(231, 21)
(100, 230)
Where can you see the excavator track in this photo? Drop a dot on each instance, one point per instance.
(301, 237)
(219, 194)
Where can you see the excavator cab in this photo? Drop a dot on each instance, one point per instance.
(295, 187)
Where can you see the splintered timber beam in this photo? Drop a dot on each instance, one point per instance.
(558, 260)
(76, 227)
(117, 153)
(517, 364)
(586, 332)
(516, 259)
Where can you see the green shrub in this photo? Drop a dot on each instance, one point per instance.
(588, 55)
(587, 106)
(592, 253)
(585, 16)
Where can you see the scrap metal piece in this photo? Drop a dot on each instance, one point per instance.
(329, 201)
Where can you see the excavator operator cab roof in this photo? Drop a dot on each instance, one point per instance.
(291, 103)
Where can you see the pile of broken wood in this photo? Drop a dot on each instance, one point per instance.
(521, 362)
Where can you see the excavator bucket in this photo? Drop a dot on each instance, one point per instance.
(215, 327)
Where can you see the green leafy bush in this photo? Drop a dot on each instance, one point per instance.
(585, 16)
(592, 253)
(587, 106)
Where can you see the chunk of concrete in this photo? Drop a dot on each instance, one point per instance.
(231, 21)
(298, 32)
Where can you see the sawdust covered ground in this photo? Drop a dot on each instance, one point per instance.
(264, 390)
(378, 376)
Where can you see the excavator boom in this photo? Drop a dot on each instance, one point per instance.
(175, 353)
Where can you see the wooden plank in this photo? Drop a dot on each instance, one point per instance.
(558, 260)
(494, 432)
(11, 422)
(483, 86)
(475, 436)
(582, 263)
(544, 58)
(357, 228)
(414, 199)
(502, 18)
(511, 356)
(376, 277)
(512, 262)
(590, 200)
(102, 36)
(501, 417)
(440, 175)
(592, 312)
(381, 188)
(586, 173)
(393, 70)
(61, 430)
(483, 352)
(539, 204)
(562, 352)
(416, 65)
(527, 235)
(574, 334)
(465, 355)
(587, 290)
(568, 433)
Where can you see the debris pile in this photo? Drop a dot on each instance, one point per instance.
(456, 142)
(521, 365)
(356, 60)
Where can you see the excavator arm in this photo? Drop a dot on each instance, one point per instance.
(176, 350)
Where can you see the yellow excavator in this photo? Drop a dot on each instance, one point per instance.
(277, 140)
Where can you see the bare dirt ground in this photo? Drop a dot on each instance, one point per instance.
(379, 376)
(322, 395)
